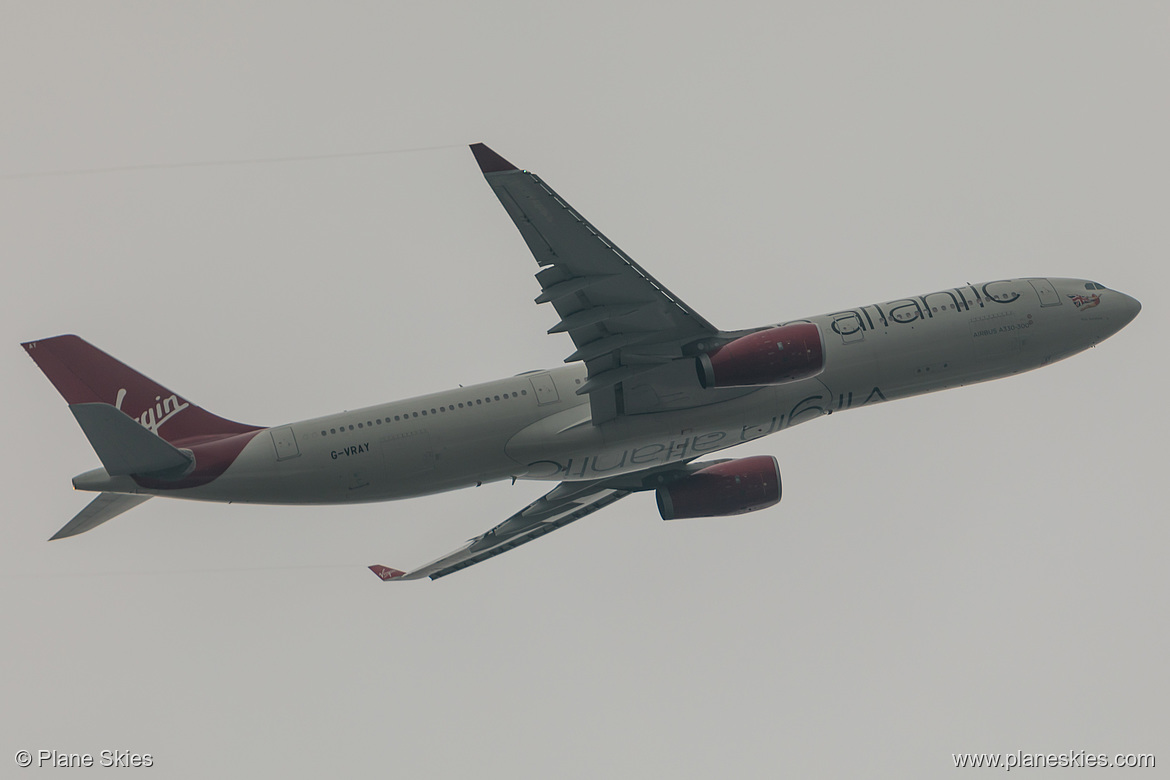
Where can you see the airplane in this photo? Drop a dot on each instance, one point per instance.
(650, 388)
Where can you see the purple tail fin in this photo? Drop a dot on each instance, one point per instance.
(83, 374)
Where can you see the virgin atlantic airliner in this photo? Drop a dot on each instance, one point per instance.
(651, 389)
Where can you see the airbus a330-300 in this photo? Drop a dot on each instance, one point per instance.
(651, 389)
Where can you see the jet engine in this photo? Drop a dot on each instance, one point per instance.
(766, 357)
(729, 488)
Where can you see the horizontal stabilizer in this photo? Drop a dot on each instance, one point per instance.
(98, 511)
(124, 446)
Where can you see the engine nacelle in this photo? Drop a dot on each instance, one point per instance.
(767, 357)
(730, 488)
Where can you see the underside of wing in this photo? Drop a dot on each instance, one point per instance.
(626, 326)
(566, 503)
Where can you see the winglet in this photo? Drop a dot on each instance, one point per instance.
(489, 161)
(386, 573)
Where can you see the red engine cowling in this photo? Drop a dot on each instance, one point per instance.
(730, 488)
(767, 357)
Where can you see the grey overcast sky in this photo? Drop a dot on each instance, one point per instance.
(978, 570)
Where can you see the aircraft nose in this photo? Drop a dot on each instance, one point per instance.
(1130, 307)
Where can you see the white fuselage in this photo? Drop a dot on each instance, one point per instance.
(535, 425)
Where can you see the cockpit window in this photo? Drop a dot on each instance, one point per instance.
(1094, 286)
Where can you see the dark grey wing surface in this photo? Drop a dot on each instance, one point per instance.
(564, 504)
(623, 322)
(567, 502)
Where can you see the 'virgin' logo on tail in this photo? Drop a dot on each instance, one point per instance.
(154, 416)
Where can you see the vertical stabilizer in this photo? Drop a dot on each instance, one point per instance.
(83, 374)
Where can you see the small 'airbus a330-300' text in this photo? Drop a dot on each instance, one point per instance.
(651, 387)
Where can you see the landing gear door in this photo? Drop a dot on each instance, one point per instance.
(1045, 291)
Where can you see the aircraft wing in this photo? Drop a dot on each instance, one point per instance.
(623, 322)
(565, 503)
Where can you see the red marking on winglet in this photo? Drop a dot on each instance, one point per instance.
(386, 573)
(489, 161)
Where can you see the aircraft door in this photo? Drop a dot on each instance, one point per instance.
(849, 327)
(546, 391)
(1045, 291)
(285, 443)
